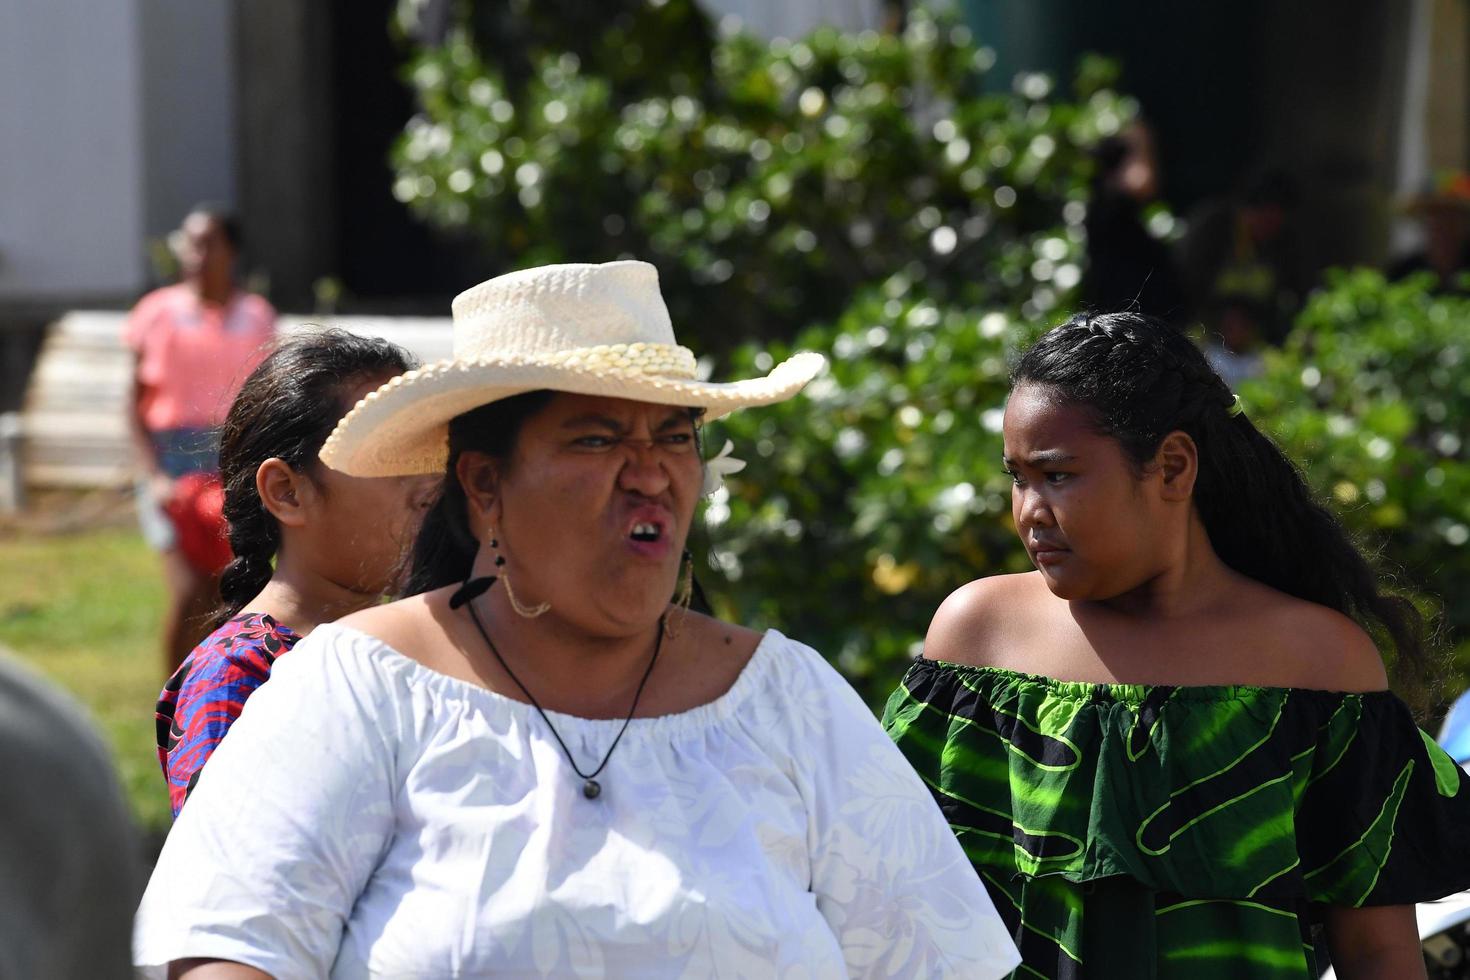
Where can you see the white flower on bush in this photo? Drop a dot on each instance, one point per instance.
(719, 466)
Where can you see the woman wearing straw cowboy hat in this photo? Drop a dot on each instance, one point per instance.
(540, 766)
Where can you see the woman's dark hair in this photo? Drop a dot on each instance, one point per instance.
(286, 409)
(1110, 153)
(227, 220)
(1142, 379)
(445, 549)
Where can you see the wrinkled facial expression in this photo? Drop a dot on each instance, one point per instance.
(1078, 503)
(363, 526)
(204, 250)
(594, 506)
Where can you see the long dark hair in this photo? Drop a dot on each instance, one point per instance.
(1142, 379)
(445, 549)
(286, 409)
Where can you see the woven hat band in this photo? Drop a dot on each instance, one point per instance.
(660, 360)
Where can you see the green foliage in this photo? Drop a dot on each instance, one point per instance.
(884, 478)
(1371, 396)
(769, 182)
(876, 494)
(869, 184)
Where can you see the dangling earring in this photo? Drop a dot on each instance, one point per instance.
(526, 612)
(686, 594)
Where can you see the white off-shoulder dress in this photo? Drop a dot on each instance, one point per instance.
(370, 817)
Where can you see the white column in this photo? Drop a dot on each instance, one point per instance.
(71, 171)
(796, 18)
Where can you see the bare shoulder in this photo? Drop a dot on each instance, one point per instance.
(715, 637)
(401, 624)
(1333, 651)
(978, 618)
(702, 659)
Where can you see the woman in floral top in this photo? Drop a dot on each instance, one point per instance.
(283, 506)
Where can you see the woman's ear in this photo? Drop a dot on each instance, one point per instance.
(479, 476)
(283, 492)
(1177, 463)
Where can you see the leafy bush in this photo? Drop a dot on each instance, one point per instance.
(884, 478)
(769, 182)
(1371, 395)
(867, 183)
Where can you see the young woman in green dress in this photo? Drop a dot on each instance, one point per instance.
(1170, 751)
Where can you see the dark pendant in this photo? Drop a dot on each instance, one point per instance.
(592, 789)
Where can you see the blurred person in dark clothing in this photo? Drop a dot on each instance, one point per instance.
(69, 878)
(1443, 210)
(1127, 267)
(1244, 254)
(1234, 347)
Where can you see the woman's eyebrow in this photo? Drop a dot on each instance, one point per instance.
(676, 420)
(1044, 457)
(593, 420)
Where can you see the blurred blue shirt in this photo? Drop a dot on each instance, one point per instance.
(1454, 734)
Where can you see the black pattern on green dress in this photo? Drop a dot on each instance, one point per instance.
(1135, 831)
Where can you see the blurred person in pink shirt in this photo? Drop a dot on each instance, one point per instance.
(194, 343)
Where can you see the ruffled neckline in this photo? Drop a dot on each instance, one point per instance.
(1127, 693)
(1192, 790)
(761, 663)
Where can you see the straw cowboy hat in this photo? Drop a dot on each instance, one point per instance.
(588, 329)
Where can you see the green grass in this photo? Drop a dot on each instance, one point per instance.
(85, 609)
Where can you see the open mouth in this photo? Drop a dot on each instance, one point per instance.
(647, 532)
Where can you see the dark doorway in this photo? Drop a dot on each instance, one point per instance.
(387, 259)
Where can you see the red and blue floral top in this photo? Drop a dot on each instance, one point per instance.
(206, 694)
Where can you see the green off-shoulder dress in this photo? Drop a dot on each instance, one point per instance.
(1129, 831)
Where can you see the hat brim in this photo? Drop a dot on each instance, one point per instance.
(402, 429)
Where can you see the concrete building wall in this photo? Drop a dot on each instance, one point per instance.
(116, 116)
(71, 173)
(1336, 75)
(1434, 121)
(795, 18)
(1448, 106)
(284, 86)
(188, 86)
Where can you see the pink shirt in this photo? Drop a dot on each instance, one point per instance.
(193, 356)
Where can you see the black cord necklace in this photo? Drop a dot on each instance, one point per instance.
(591, 788)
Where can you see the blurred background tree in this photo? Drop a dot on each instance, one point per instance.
(876, 197)
(1370, 395)
(769, 182)
(885, 478)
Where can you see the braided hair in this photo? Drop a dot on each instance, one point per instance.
(1142, 379)
(286, 409)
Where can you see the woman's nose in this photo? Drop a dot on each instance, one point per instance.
(1033, 511)
(644, 468)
